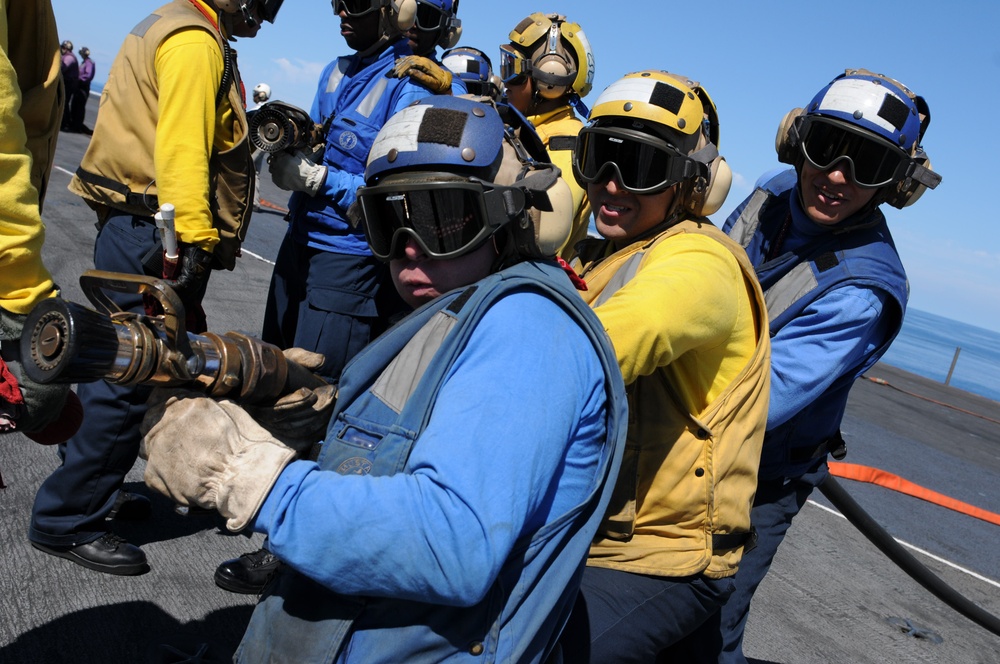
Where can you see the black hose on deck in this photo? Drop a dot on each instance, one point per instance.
(903, 559)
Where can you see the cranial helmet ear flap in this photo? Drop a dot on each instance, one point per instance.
(704, 195)
(403, 13)
(785, 142)
(548, 221)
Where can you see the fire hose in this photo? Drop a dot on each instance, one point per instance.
(65, 342)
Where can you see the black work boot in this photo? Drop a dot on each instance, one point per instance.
(247, 574)
(109, 553)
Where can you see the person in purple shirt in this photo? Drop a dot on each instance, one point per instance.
(71, 79)
(78, 102)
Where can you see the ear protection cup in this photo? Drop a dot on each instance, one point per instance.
(706, 198)
(785, 143)
(451, 37)
(553, 65)
(404, 13)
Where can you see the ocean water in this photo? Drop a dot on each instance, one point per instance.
(926, 346)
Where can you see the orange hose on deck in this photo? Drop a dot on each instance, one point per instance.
(853, 471)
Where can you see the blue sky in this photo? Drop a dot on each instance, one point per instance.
(757, 59)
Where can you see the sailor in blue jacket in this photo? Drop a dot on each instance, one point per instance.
(325, 287)
(467, 460)
(835, 290)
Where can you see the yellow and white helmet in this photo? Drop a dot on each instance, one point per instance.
(674, 123)
(553, 52)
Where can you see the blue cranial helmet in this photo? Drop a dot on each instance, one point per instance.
(474, 68)
(441, 133)
(450, 173)
(871, 123)
(873, 102)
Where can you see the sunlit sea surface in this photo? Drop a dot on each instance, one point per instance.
(926, 346)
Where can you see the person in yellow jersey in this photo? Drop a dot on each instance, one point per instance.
(171, 129)
(547, 69)
(31, 108)
(687, 319)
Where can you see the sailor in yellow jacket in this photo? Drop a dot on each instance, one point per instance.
(687, 320)
(171, 128)
(31, 106)
(547, 69)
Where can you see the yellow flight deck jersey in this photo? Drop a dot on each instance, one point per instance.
(563, 126)
(160, 134)
(688, 323)
(31, 106)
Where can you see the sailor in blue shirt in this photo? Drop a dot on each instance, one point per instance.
(325, 290)
(470, 453)
(835, 290)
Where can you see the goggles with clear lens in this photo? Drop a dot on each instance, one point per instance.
(514, 67)
(641, 163)
(430, 17)
(445, 216)
(874, 161)
(355, 8)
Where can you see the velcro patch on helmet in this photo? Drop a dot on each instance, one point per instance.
(667, 97)
(442, 125)
(894, 111)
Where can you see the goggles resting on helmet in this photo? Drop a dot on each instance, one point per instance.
(874, 161)
(447, 217)
(642, 164)
(355, 8)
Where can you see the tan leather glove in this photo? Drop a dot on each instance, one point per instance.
(300, 418)
(296, 172)
(424, 71)
(211, 454)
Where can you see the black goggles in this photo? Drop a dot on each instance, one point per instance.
(447, 218)
(874, 161)
(641, 163)
(430, 17)
(355, 8)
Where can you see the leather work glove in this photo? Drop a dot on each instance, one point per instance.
(296, 172)
(299, 418)
(40, 405)
(424, 71)
(193, 269)
(229, 466)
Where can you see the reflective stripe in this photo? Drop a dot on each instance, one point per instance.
(370, 102)
(622, 276)
(746, 226)
(337, 75)
(395, 385)
(144, 25)
(799, 281)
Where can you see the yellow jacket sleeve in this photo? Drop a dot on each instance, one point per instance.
(24, 280)
(686, 298)
(189, 69)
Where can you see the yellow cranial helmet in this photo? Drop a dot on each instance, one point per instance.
(660, 109)
(554, 52)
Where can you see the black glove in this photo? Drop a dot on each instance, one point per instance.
(194, 264)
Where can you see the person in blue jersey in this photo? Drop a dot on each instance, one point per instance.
(836, 292)
(327, 293)
(469, 456)
(436, 24)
